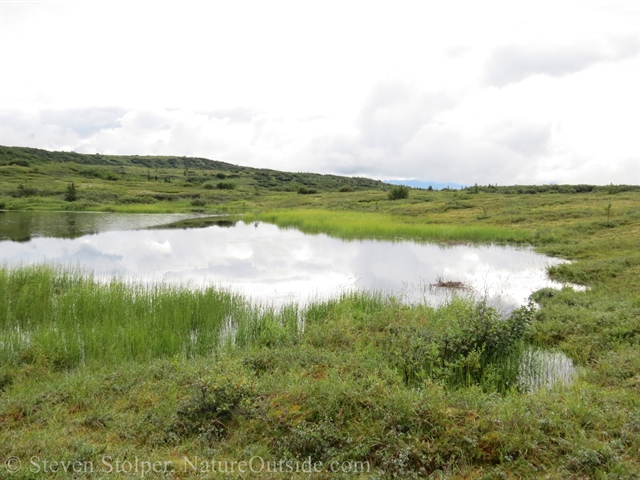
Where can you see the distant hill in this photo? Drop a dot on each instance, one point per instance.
(13, 155)
(262, 177)
(204, 172)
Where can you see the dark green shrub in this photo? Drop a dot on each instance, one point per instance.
(307, 191)
(6, 380)
(136, 199)
(165, 197)
(198, 202)
(456, 205)
(473, 349)
(346, 188)
(226, 185)
(24, 191)
(221, 175)
(20, 163)
(71, 195)
(399, 192)
(214, 404)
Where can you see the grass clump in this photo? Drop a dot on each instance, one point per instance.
(375, 225)
(64, 319)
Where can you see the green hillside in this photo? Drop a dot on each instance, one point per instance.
(175, 169)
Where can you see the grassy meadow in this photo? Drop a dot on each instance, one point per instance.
(94, 372)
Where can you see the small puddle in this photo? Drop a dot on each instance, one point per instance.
(542, 369)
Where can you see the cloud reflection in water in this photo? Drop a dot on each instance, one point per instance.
(274, 265)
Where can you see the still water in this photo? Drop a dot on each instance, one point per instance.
(264, 262)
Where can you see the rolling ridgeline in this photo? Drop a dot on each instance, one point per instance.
(89, 369)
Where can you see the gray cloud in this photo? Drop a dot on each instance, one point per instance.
(456, 51)
(391, 116)
(444, 154)
(513, 63)
(394, 112)
(146, 120)
(528, 139)
(402, 134)
(82, 122)
(235, 115)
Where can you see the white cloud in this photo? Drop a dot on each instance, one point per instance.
(513, 63)
(458, 92)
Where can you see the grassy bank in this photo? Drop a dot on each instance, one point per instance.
(61, 319)
(166, 374)
(385, 226)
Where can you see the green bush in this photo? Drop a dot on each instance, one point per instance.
(399, 192)
(307, 191)
(226, 185)
(24, 191)
(198, 202)
(20, 163)
(470, 345)
(133, 199)
(215, 403)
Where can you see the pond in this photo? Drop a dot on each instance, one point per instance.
(266, 263)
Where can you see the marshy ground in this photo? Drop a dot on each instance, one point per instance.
(89, 370)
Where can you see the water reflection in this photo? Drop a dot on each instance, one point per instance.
(540, 368)
(22, 226)
(274, 265)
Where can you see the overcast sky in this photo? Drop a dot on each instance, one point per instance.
(442, 91)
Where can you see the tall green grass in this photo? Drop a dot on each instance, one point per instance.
(61, 319)
(379, 225)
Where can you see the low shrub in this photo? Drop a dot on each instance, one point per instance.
(128, 199)
(71, 194)
(20, 163)
(213, 406)
(464, 345)
(24, 191)
(399, 192)
(198, 202)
